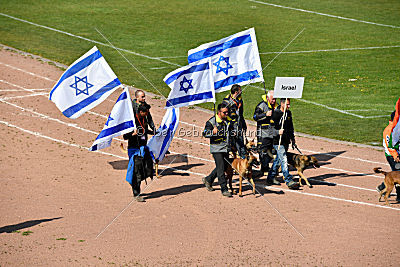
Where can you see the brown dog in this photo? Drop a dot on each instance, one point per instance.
(391, 178)
(155, 164)
(250, 145)
(244, 168)
(301, 162)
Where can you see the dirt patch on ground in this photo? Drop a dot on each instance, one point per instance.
(57, 197)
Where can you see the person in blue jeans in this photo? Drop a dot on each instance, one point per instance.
(286, 136)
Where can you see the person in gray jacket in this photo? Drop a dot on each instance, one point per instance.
(218, 129)
(265, 130)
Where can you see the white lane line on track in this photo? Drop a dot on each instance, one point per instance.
(328, 197)
(87, 39)
(343, 185)
(326, 15)
(344, 157)
(18, 86)
(16, 90)
(28, 72)
(345, 171)
(190, 172)
(22, 96)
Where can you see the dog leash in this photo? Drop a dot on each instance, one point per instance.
(297, 148)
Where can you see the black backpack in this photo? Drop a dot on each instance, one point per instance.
(143, 167)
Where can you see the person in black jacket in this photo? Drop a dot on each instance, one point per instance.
(284, 136)
(234, 102)
(218, 130)
(137, 152)
(141, 100)
(265, 130)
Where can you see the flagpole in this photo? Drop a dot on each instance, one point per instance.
(215, 112)
(265, 90)
(283, 122)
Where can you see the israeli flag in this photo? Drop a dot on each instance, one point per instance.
(84, 85)
(159, 143)
(235, 60)
(191, 84)
(120, 121)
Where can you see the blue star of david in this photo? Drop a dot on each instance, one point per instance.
(109, 119)
(220, 68)
(86, 84)
(183, 88)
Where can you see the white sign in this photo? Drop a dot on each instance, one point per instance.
(288, 87)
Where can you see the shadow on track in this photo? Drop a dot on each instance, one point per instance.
(174, 191)
(23, 225)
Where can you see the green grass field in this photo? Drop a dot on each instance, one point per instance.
(168, 29)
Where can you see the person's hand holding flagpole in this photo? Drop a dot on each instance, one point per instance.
(283, 122)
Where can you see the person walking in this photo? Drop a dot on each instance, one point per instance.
(140, 99)
(218, 130)
(282, 138)
(234, 102)
(140, 162)
(265, 131)
(392, 154)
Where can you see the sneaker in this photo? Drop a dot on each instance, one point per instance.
(380, 187)
(207, 184)
(227, 194)
(293, 185)
(273, 182)
(140, 199)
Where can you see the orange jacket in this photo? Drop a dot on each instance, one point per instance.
(390, 149)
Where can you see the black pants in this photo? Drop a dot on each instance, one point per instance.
(265, 144)
(392, 164)
(221, 163)
(240, 146)
(136, 186)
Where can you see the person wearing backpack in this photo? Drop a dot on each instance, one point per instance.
(140, 164)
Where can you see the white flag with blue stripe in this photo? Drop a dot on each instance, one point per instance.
(192, 84)
(84, 85)
(159, 143)
(235, 60)
(120, 121)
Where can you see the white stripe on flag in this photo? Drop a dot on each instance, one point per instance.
(159, 143)
(84, 85)
(192, 84)
(235, 59)
(120, 121)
